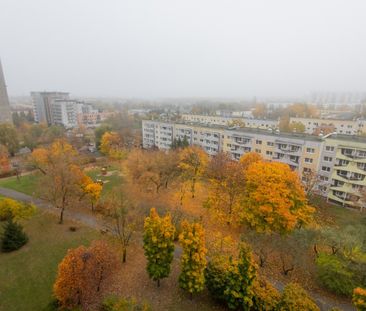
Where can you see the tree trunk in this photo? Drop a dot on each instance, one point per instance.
(158, 282)
(61, 216)
(124, 255)
(316, 250)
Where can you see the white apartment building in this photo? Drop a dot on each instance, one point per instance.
(347, 127)
(226, 120)
(339, 161)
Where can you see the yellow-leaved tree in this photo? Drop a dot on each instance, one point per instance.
(193, 260)
(274, 199)
(193, 162)
(112, 145)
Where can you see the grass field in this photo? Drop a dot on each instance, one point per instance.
(27, 275)
(28, 183)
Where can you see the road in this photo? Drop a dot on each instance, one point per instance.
(325, 303)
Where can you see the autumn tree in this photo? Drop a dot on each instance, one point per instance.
(9, 138)
(359, 298)
(193, 260)
(260, 111)
(248, 159)
(295, 298)
(297, 127)
(274, 198)
(226, 184)
(4, 160)
(120, 219)
(232, 279)
(158, 245)
(92, 191)
(193, 161)
(266, 297)
(111, 144)
(62, 181)
(83, 273)
(154, 169)
(15, 210)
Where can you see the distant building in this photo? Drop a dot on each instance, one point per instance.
(43, 105)
(347, 127)
(5, 114)
(225, 121)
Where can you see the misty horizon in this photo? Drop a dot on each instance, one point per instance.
(172, 49)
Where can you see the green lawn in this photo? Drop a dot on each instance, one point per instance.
(28, 183)
(27, 275)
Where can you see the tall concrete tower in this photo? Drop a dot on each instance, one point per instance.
(5, 115)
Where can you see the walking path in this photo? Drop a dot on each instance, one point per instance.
(325, 303)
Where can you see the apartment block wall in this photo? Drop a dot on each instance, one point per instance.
(338, 161)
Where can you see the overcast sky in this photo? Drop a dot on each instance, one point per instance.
(171, 48)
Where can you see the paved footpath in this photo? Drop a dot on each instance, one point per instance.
(325, 303)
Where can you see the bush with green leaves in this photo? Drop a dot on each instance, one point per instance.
(115, 303)
(13, 237)
(295, 298)
(232, 280)
(335, 275)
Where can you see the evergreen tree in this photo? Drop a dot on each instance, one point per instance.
(158, 245)
(193, 261)
(13, 237)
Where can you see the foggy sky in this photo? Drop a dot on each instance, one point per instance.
(171, 48)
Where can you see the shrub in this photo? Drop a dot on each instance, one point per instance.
(334, 274)
(295, 298)
(13, 209)
(115, 303)
(359, 298)
(231, 280)
(266, 297)
(13, 237)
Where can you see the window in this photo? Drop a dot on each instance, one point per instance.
(329, 148)
(323, 178)
(326, 168)
(308, 160)
(269, 143)
(310, 150)
(307, 170)
(257, 150)
(328, 159)
(269, 153)
(258, 142)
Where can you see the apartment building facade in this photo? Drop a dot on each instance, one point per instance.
(347, 127)
(338, 161)
(227, 120)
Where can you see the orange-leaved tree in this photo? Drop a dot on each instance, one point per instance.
(112, 145)
(274, 199)
(62, 180)
(83, 273)
(193, 162)
(359, 298)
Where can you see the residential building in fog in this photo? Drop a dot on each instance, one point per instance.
(227, 120)
(338, 161)
(347, 127)
(43, 105)
(5, 114)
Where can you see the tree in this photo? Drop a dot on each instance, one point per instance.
(248, 159)
(274, 199)
(226, 184)
(99, 132)
(115, 303)
(295, 298)
(359, 298)
(232, 280)
(62, 181)
(193, 161)
(83, 273)
(11, 209)
(9, 138)
(13, 237)
(4, 160)
(158, 245)
(111, 145)
(260, 111)
(193, 260)
(297, 127)
(122, 222)
(266, 297)
(93, 190)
